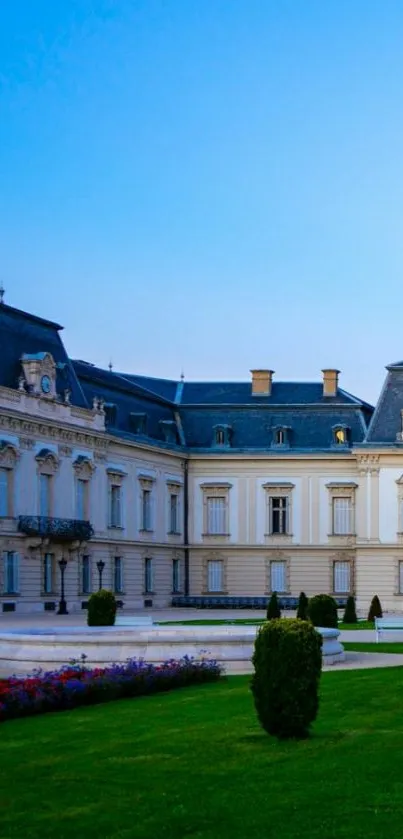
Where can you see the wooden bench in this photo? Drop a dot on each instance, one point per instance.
(133, 620)
(391, 624)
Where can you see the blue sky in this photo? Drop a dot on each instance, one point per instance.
(211, 185)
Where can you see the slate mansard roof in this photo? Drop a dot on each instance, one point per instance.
(182, 415)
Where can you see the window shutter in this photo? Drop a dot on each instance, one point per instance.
(278, 576)
(341, 577)
(215, 575)
(16, 573)
(4, 492)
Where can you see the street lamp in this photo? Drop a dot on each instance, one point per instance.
(100, 566)
(62, 604)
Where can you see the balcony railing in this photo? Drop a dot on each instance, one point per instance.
(58, 530)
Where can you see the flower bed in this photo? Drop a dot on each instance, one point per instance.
(77, 685)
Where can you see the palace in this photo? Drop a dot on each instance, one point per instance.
(157, 488)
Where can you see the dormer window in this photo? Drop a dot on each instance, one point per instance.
(341, 435)
(138, 423)
(281, 436)
(110, 413)
(222, 436)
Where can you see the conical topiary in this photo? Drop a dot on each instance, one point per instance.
(375, 609)
(273, 608)
(350, 615)
(302, 611)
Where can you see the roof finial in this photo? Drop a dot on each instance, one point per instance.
(2, 292)
(182, 376)
(110, 365)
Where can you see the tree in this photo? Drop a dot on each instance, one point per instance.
(350, 615)
(273, 608)
(287, 662)
(322, 611)
(375, 609)
(302, 611)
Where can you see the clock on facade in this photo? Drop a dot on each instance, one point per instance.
(46, 384)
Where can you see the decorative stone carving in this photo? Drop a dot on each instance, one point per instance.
(26, 443)
(47, 461)
(8, 454)
(65, 451)
(84, 467)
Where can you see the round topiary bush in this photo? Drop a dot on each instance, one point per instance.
(288, 660)
(101, 608)
(302, 611)
(350, 614)
(322, 611)
(273, 608)
(375, 609)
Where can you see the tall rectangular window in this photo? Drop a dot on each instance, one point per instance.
(5, 476)
(146, 518)
(85, 574)
(48, 574)
(173, 513)
(148, 576)
(81, 499)
(115, 502)
(11, 572)
(279, 515)
(278, 576)
(216, 516)
(342, 516)
(118, 574)
(176, 575)
(215, 575)
(341, 577)
(400, 577)
(45, 495)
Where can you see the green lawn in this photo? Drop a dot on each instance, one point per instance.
(251, 622)
(194, 763)
(382, 647)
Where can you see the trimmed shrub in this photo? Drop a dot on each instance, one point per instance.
(322, 611)
(302, 611)
(288, 660)
(273, 608)
(101, 608)
(375, 609)
(350, 615)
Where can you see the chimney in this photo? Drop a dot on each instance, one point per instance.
(261, 382)
(330, 382)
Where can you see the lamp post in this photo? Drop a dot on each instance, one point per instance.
(62, 605)
(100, 566)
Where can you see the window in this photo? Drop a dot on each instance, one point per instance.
(215, 575)
(5, 480)
(173, 513)
(115, 512)
(342, 516)
(148, 576)
(11, 572)
(280, 436)
(341, 577)
(216, 515)
(400, 577)
(86, 575)
(81, 499)
(278, 576)
(118, 575)
(146, 499)
(222, 435)
(340, 435)
(176, 575)
(48, 574)
(45, 488)
(279, 515)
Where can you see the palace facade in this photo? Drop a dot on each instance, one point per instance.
(157, 488)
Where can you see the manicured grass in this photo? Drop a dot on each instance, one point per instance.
(382, 647)
(195, 763)
(252, 622)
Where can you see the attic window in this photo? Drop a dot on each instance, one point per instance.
(281, 436)
(138, 423)
(110, 413)
(341, 435)
(222, 436)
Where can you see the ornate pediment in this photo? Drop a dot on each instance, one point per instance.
(84, 467)
(8, 454)
(47, 461)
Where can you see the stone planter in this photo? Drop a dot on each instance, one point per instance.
(332, 649)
